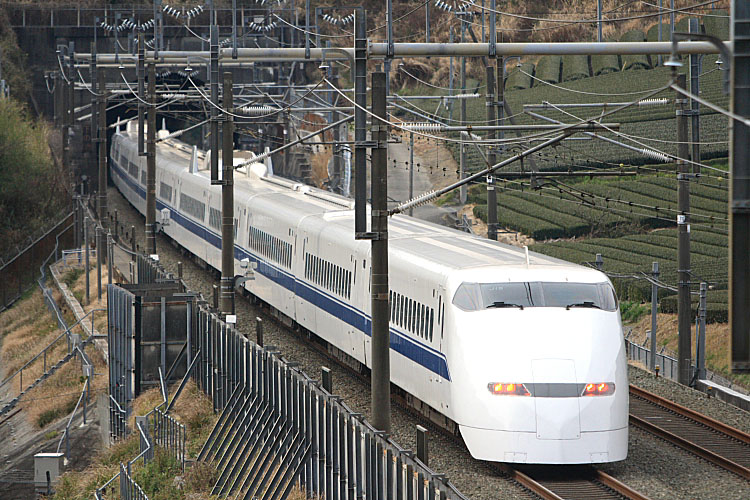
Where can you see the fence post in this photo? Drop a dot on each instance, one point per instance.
(132, 242)
(654, 312)
(327, 379)
(86, 248)
(422, 448)
(701, 351)
(259, 331)
(98, 239)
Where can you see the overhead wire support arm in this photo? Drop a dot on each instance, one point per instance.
(429, 196)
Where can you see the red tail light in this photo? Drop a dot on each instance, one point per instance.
(512, 389)
(598, 389)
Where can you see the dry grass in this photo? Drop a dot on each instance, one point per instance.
(718, 346)
(25, 330)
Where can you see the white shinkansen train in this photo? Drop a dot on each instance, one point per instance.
(521, 353)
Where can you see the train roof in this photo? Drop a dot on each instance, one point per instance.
(432, 243)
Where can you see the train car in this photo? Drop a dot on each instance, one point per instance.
(520, 353)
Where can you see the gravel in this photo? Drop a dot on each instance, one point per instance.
(690, 398)
(475, 479)
(654, 467)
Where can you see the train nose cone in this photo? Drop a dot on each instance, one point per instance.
(558, 416)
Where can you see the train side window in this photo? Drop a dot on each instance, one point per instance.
(422, 321)
(430, 318)
(440, 306)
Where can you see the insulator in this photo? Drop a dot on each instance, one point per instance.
(465, 96)
(653, 102)
(258, 110)
(422, 127)
(656, 155)
(420, 200)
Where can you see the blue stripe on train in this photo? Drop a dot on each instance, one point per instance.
(431, 359)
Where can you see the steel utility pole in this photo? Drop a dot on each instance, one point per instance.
(141, 72)
(360, 124)
(214, 112)
(227, 201)
(739, 191)
(102, 143)
(151, 163)
(381, 361)
(695, 63)
(684, 352)
(491, 157)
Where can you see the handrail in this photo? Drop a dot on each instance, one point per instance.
(8, 261)
(66, 332)
(70, 420)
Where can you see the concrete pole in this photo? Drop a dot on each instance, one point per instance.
(654, 312)
(151, 163)
(700, 356)
(684, 353)
(411, 169)
(227, 201)
(110, 243)
(102, 143)
(462, 158)
(381, 369)
(214, 112)
(739, 204)
(491, 157)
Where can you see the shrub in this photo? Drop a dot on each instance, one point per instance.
(631, 311)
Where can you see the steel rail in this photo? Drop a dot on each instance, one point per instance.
(692, 414)
(588, 483)
(619, 487)
(692, 446)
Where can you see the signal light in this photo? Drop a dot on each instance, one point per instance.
(511, 389)
(598, 389)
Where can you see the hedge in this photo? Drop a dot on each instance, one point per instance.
(717, 26)
(603, 64)
(634, 61)
(548, 69)
(717, 308)
(575, 67)
(517, 80)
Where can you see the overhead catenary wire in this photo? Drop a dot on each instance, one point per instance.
(592, 20)
(601, 94)
(674, 157)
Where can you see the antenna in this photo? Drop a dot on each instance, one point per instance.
(526, 249)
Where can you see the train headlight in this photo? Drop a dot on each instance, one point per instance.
(511, 389)
(598, 389)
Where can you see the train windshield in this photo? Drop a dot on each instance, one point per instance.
(478, 296)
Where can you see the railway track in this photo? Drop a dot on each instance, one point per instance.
(572, 483)
(709, 439)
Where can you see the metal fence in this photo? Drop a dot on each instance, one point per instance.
(19, 273)
(121, 320)
(129, 489)
(278, 427)
(170, 435)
